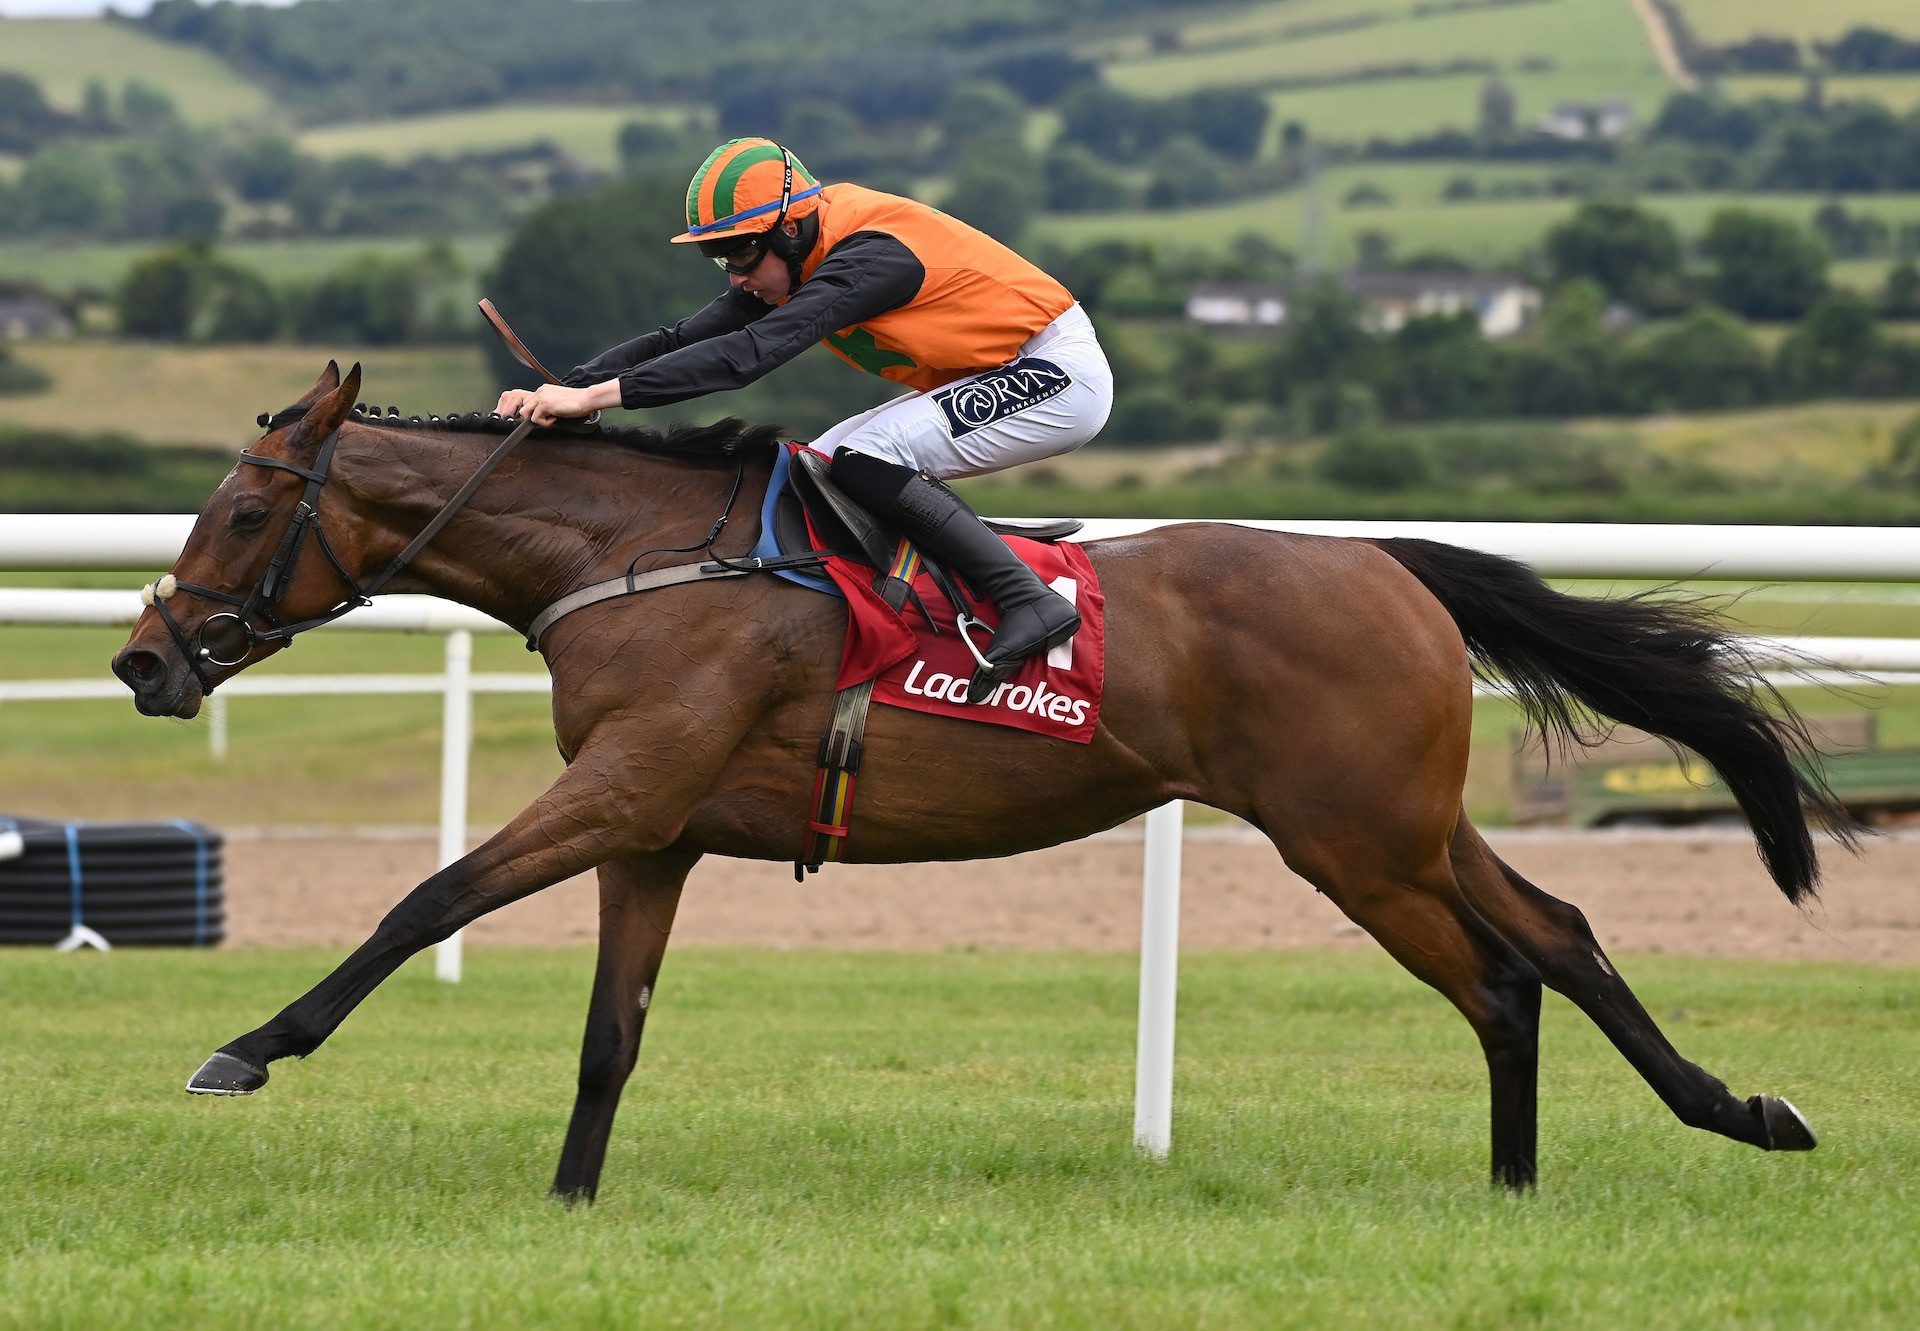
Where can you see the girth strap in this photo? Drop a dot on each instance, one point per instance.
(841, 748)
(634, 583)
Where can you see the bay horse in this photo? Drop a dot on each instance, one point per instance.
(1318, 688)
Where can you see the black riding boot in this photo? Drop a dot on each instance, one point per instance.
(1033, 617)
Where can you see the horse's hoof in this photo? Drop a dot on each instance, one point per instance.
(1786, 1130)
(223, 1074)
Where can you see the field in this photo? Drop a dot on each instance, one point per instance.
(1899, 91)
(825, 1140)
(1596, 52)
(63, 55)
(197, 395)
(1730, 20)
(587, 133)
(100, 265)
(1483, 231)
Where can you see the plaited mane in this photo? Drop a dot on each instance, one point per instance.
(718, 444)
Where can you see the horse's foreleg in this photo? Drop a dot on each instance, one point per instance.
(1555, 937)
(638, 896)
(568, 830)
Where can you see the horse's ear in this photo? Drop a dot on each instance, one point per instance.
(330, 409)
(328, 381)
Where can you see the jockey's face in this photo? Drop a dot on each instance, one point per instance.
(769, 281)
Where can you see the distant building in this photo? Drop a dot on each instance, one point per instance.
(1253, 308)
(1503, 305)
(32, 317)
(1587, 121)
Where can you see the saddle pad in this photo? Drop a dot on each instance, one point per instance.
(1056, 693)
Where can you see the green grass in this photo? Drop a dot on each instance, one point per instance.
(100, 265)
(587, 133)
(63, 55)
(1731, 20)
(1486, 231)
(1598, 52)
(211, 395)
(1899, 91)
(939, 1140)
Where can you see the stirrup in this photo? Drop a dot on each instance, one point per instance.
(966, 623)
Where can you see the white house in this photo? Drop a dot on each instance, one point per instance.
(1581, 121)
(1503, 305)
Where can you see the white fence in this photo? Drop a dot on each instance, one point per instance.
(1798, 554)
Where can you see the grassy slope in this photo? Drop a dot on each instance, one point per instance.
(1731, 20)
(586, 133)
(210, 395)
(62, 55)
(1598, 52)
(100, 265)
(1487, 232)
(1899, 91)
(827, 1140)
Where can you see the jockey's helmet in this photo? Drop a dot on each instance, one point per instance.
(744, 188)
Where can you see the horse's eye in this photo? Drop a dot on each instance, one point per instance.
(249, 519)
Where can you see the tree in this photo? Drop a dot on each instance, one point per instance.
(1631, 253)
(1900, 297)
(1078, 182)
(1707, 360)
(1229, 121)
(1764, 267)
(1497, 111)
(155, 298)
(584, 273)
(25, 118)
(1840, 347)
(264, 168)
(997, 188)
(980, 111)
(1184, 173)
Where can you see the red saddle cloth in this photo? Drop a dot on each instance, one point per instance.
(1056, 693)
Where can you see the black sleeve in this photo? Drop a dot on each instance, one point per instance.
(733, 310)
(865, 275)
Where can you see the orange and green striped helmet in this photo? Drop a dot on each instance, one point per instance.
(738, 191)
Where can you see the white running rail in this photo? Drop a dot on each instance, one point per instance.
(1572, 550)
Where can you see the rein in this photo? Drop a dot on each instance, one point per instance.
(229, 637)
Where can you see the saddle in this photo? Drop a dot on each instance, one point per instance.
(801, 492)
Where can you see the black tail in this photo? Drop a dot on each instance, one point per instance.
(1670, 668)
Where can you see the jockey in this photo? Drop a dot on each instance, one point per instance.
(1004, 364)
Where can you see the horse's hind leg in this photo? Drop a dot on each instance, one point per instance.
(1554, 936)
(638, 897)
(1423, 922)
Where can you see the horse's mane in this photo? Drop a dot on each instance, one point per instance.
(718, 444)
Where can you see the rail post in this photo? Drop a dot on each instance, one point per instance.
(1159, 976)
(456, 750)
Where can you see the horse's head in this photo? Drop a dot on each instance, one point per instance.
(245, 579)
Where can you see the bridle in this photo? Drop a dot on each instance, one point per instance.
(237, 635)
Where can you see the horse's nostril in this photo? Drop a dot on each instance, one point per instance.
(141, 667)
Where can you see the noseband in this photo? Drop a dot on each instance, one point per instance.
(263, 600)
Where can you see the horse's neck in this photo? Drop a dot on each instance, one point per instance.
(555, 516)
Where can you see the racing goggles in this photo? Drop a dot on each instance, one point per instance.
(737, 257)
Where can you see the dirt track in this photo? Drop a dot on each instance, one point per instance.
(1697, 893)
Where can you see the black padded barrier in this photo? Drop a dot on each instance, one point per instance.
(142, 884)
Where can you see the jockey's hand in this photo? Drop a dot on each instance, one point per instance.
(552, 402)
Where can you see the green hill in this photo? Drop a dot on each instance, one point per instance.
(1721, 21)
(1351, 68)
(63, 55)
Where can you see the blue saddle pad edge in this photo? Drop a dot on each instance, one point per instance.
(768, 546)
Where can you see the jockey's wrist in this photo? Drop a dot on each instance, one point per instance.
(603, 395)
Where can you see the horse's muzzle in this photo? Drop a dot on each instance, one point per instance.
(158, 688)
